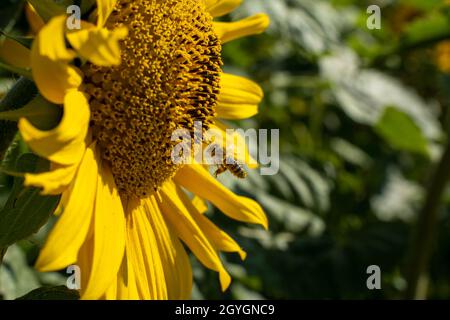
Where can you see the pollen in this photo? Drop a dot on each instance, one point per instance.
(168, 79)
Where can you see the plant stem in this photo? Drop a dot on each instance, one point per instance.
(20, 94)
(422, 244)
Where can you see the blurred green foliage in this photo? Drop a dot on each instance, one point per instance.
(363, 118)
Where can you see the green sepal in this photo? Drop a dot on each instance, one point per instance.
(25, 41)
(40, 112)
(26, 73)
(48, 9)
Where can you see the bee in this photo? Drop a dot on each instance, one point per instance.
(233, 166)
(228, 164)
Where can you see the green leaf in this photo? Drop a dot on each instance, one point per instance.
(19, 71)
(40, 112)
(51, 293)
(17, 277)
(26, 211)
(25, 41)
(401, 132)
(19, 95)
(48, 9)
(429, 29)
(16, 148)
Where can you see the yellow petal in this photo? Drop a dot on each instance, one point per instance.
(144, 253)
(69, 233)
(64, 144)
(51, 41)
(62, 202)
(84, 259)
(53, 182)
(103, 254)
(175, 261)
(237, 142)
(35, 21)
(200, 204)
(15, 54)
(98, 45)
(50, 62)
(218, 8)
(200, 182)
(191, 234)
(218, 238)
(228, 31)
(111, 293)
(238, 98)
(125, 288)
(104, 9)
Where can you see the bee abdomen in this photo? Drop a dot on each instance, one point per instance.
(235, 168)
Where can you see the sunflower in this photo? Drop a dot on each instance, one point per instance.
(136, 71)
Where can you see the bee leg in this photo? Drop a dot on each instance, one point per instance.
(221, 169)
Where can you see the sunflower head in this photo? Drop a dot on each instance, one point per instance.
(135, 73)
(169, 79)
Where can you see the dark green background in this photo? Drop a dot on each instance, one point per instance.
(364, 116)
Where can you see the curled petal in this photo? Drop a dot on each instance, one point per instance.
(64, 144)
(54, 182)
(50, 58)
(98, 45)
(218, 238)
(218, 8)
(228, 31)
(200, 182)
(239, 97)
